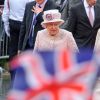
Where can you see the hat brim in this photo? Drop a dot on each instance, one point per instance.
(45, 22)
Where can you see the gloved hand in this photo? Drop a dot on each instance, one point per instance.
(19, 51)
(7, 29)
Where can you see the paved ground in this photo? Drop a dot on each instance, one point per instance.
(5, 86)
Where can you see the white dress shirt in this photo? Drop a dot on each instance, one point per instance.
(43, 4)
(87, 9)
(13, 9)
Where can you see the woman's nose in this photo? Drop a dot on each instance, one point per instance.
(53, 26)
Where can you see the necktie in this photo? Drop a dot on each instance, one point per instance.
(91, 16)
(31, 33)
(39, 6)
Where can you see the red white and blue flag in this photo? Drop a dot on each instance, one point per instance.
(53, 75)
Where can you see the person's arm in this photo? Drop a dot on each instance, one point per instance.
(36, 46)
(22, 30)
(1, 9)
(65, 15)
(97, 42)
(71, 43)
(72, 21)
(5, 17)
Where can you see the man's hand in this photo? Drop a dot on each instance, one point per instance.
(7, 29)
(1, 9)
(37, 9)
(19, 51)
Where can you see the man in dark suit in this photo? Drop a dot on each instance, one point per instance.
(84, 30)
(62, 4)
(66, 10)
(32, 9)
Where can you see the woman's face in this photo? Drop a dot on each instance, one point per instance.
(53, 28)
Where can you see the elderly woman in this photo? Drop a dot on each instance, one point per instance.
(52, 37)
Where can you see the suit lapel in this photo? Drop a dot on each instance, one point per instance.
(31, 17)
(84, 13)
(95, 14)
(32, 13)
(46, 5)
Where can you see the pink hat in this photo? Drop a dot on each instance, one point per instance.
(52, 16)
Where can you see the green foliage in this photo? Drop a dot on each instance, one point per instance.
(4, 63)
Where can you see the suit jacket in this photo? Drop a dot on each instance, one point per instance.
(1, 2)
(44, 41)
(98, 2)
(66, 10)
(80, 26)
(27, 20)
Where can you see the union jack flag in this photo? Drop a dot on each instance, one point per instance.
(53, 75)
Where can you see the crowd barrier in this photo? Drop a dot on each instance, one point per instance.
(4, 42)
(1, 80)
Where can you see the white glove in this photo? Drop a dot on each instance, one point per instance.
(7, 29)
